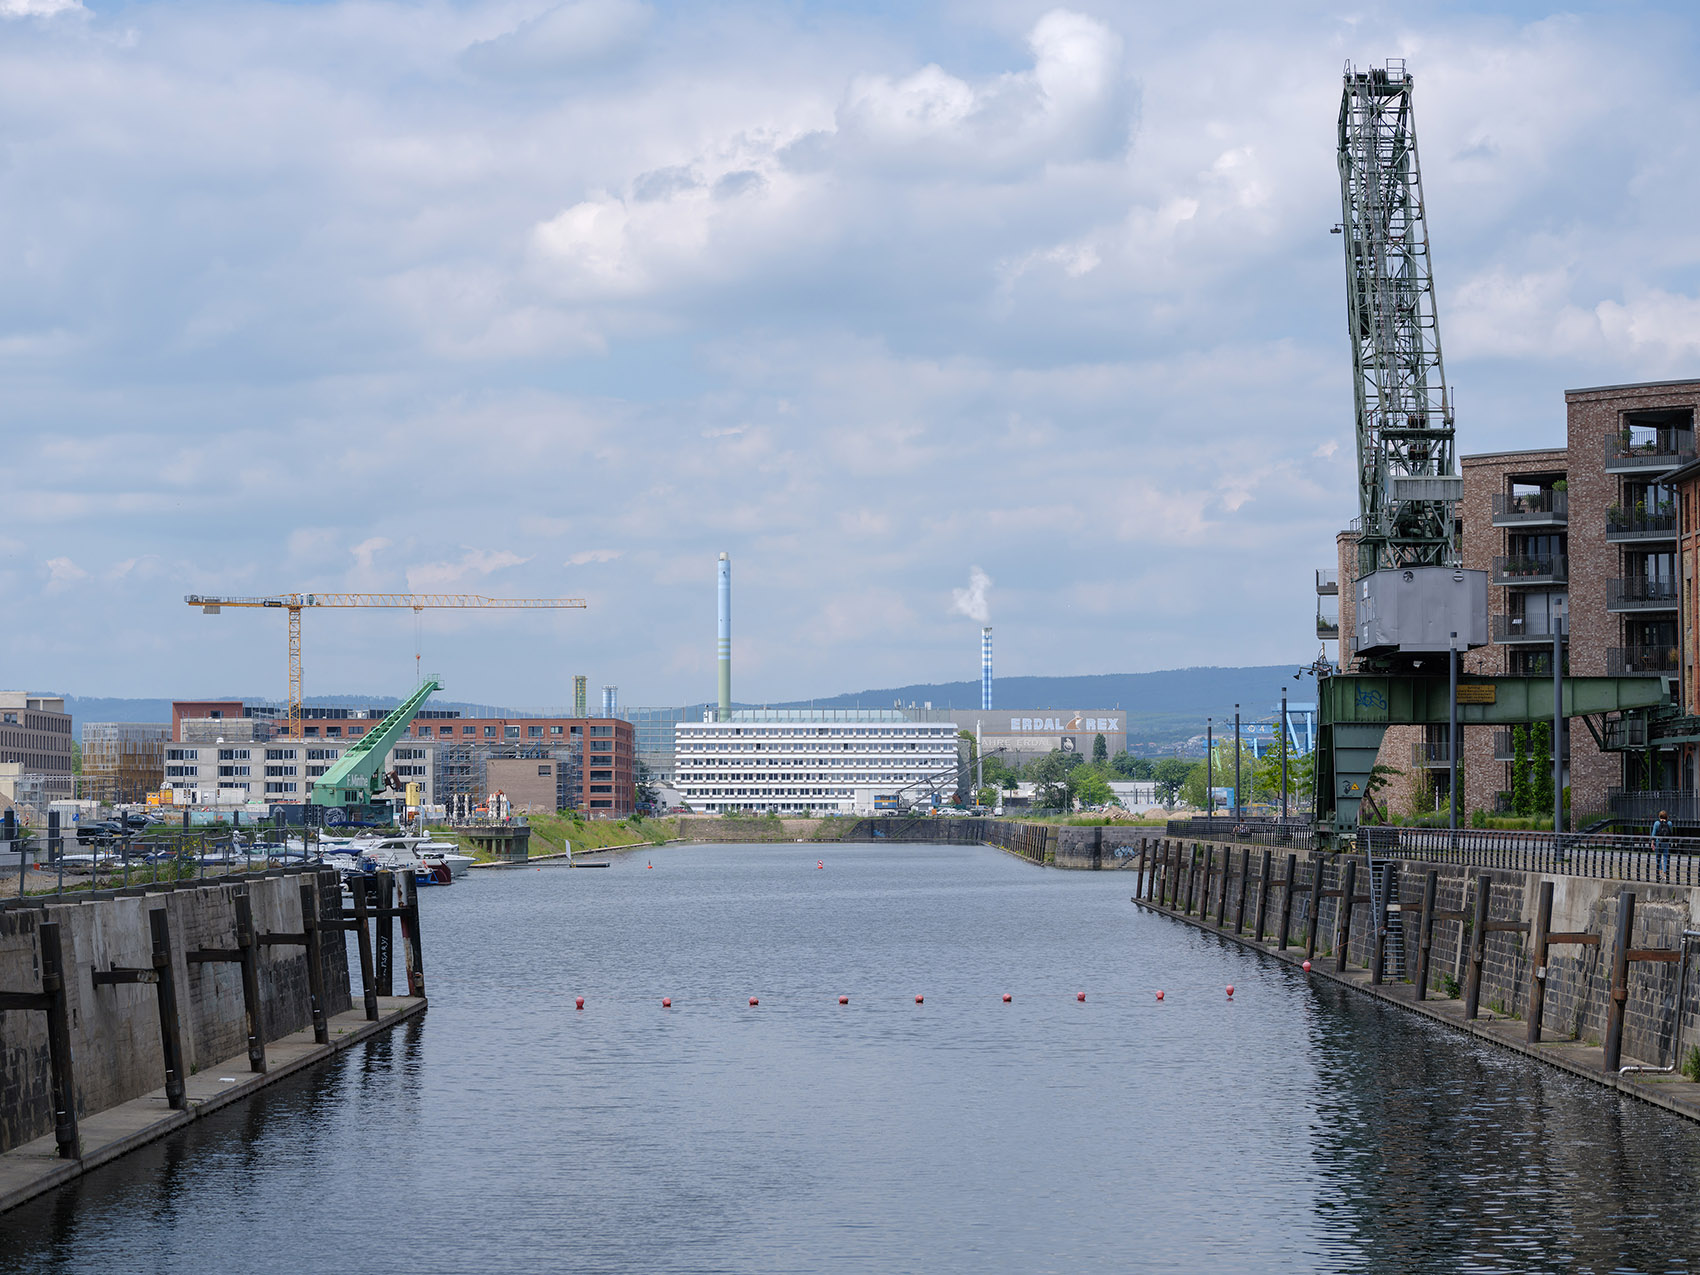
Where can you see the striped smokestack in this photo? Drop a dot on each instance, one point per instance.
(986, 669)
(725, 642)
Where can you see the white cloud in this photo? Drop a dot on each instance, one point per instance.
(591, 555)
(62, 573)
(562, 39)
(472, 566)
(38, 8)
(972, 601)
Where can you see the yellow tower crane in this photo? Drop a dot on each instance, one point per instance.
(295, 603)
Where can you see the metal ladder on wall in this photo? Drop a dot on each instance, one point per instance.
(1384, 878)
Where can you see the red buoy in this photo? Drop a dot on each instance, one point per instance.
(917, 1000)
(820, 863)
(754, 1001)
(579, 1003)
(1305, 967)
(666, 1002)
(843, 1000)
(1006, 998)
(1159, 993)
(1230, 991)
(1080, 996)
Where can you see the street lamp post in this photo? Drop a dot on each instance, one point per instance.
(1236, 763)
(1209, 766)
(1283, 754)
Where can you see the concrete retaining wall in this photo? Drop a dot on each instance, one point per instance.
(115, 1039)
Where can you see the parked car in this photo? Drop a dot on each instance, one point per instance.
(99, 830)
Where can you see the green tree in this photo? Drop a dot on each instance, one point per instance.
(1170, 774)
(1522, 791)
(1540, 766)
(1050, 776)
(1100, 750)
(1137, 769)
(1089, 787)
(1194, 791)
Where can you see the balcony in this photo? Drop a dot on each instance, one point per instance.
(1431, 754)
(1505, 746)
(1327, 625)
(1552, 568)
(1509, 629)
(1637, 661)
(1327, 582)
(1532, 509)
(1628, 525)
(1640, 594)
(1648, 454)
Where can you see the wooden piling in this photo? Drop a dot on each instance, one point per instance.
(384, 934)
(1287, 887)
(1343, 918)
(1619, 981)
(1478, 946)
(1378, 958)
(170, 1021)
(248, 945)
(315, 959)
(1209, 865)
(361, 889)
(1312, 920)
(1538, 963)
(412, 951)
(1263, 893)
(1425, 932)
(59, 1061)
(1245, 876)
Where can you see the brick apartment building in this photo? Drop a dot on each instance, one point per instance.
(1585, 534)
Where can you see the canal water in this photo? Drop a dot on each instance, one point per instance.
(1295, 1128)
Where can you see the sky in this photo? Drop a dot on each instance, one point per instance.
(928, 314)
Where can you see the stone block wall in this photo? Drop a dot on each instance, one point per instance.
(115, 1042)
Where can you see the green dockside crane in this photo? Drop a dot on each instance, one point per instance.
(351, 786)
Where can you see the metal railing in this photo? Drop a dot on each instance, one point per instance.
(1644, 807)
(1576, 854)
(1639, 593)
(1665, 450)
(1625, 732)
(1531, 506)
(1623, 524)
(1522, 628)
(1551, 568)
(1295, 832)
(1505, 746)
(1636, 661)
(1327, 626)
(1431, 753)
(1327, 582)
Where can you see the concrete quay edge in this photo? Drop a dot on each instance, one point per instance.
(1672, 1092)
(35, 1168)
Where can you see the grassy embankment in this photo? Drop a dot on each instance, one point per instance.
(550, 834)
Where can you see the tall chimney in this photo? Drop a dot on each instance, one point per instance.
(725, 636)
(986, 669)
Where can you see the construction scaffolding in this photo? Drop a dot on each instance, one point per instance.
(123, 761)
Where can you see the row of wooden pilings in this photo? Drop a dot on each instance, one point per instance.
(380, 901)
(1182, 878)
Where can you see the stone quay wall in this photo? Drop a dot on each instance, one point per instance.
(1578, 982)
(115, 1038)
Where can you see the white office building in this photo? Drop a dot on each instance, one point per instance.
(804, 762)
(230, 773)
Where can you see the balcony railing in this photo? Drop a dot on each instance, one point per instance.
(1327, 625)
(1636, 661)
(1640, 594)
(1552, 568)
(1665, 450)
(1644, 807)
(1431, 753)
(1519, 628)
(1551, 508)
(1327, 582)
(1626, 524)
(1505, 746)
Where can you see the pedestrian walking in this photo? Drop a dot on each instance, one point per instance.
(1661, 843)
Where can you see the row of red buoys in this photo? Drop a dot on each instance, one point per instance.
(667, 1001)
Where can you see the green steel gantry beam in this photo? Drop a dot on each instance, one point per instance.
(1355, 710)
(354, 778)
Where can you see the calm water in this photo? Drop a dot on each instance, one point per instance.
(1294, 1129)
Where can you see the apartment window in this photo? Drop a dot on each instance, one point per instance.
(545, 771)
(554, 730)
(233, 754)
(602, 788)
(489, 732)
(601, 730)
(510, 732)
(597, 774)
(464, 730)
(601, 805)
(534, 732)
(425, 732)
(231, 772)
(311, 732)
(333, 732)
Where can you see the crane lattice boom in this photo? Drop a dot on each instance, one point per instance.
(1408, 487)
(295, 603)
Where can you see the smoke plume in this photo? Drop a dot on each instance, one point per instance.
(971, 601)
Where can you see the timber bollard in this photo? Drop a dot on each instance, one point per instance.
(1538, 963)
(1209, 866)
(1263, 894)
(1478, 946)
(1619, 981)
(1287, 888)
(1227, 876)
(1343, 918)
(413, 952)
(65, 1135)
(248, 946)
(384, 940)
(1425, 933)
(361, 888)
(1245, 875)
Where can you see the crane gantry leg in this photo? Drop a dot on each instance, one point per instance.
(295, 672)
